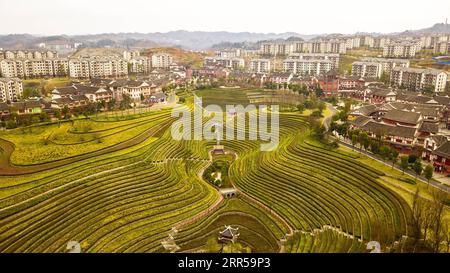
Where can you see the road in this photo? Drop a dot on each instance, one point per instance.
(327, 120)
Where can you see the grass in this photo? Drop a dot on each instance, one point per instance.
(52, 142)
(46, 84)
(396, 180)
(193, 58)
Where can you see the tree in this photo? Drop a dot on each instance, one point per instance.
(354, 140)
(394, 157)
(412, 158)
(10, 124)
(404, 163)
(438, 205)
(363, 140)
(417, 218)
(428, 172)
(57, 113)
(417, 167)
(65, 112)
(321, 106)
(384, 152)
(300, 108)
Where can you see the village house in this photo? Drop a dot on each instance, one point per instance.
(26, 107)
(382, 95)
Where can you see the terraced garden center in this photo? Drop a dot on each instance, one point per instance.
(123, 184)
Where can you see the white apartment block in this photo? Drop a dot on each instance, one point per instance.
(79, 68)
(161, 60)
(367, 41)
(11, 89)
(230, 53)
(277, 48)
(442, 47)
(380, 42)
(320, 46)
(260, 65)
(76, 68)
(367, 69)
(97, 67)
(387, 64)
(131, 54)
(140, 65)
(307, 67)
(333, 57)
(23, 54)
(234, 63)
(401, 49)
(418, 79)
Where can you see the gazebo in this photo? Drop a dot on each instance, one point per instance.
(229, 234)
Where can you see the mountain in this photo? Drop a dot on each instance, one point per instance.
(437, 28)
(196, 40)
(193, 40)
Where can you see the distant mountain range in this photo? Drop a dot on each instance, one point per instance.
(195, 40)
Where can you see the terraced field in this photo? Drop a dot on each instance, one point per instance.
(301, 197)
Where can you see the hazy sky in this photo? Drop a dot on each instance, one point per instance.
(306, 17)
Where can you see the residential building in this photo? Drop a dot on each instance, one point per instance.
(131, 54)
(277, 48)
(442, 47)
(260, 65)
(161, 60)
(367, 69)
(24, 54)
(418, 79)
(135, 89)
(230, 53)
(333, 57)
(140, 64)
(307, 67)
(11, 89)
(400, 49)
(233, 63)
(387, 64)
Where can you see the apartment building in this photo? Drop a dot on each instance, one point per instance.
(307, 67)
(367, 40)
(230, 53)
(417, 79)
(131, 54)
(318, 46)
(161, 60)
(140, 64)
(367, 69)
(380, 42)
(97, 67)
(24, 54)
(277, 48)
(228, 62)
(387, 64)
(11, 89)
(442, 47)
(321, 46)
(260, 65)
(333, 57)
(76, 67)
(401, 49)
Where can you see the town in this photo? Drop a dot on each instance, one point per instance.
(180, 127)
